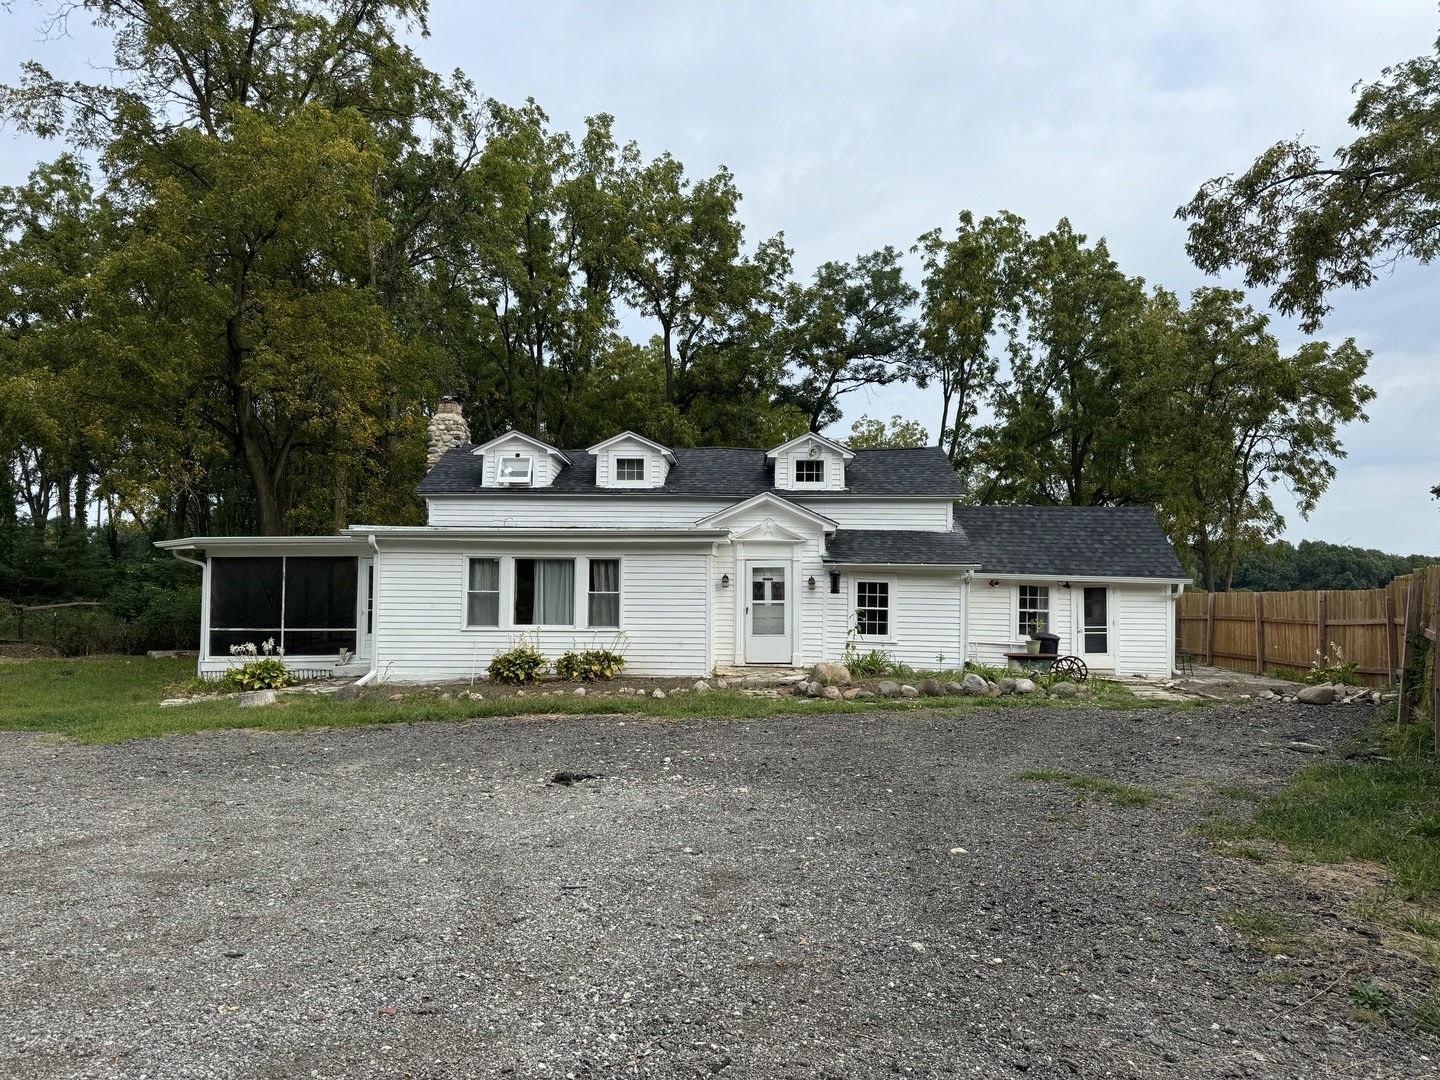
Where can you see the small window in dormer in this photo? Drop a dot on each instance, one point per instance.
(514, 470)
(630, 470)
(810, 472)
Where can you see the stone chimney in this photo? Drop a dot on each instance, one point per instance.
(447, 430)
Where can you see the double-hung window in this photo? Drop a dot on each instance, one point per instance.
(872, 608)
(1034, 609)
(482, 593)
(604, 592)
(544, 592)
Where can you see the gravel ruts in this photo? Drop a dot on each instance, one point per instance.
(850, 896)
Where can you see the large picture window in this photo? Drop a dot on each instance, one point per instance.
(544, 592)
(1034, 608)
(482, 593)
(306, 605)
(604, 592)
(872, 608)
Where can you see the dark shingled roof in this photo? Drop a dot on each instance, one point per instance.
(714, 470)
(1080, 541)
(899, 547)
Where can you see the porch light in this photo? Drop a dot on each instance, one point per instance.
(724, 581)
(811, 582)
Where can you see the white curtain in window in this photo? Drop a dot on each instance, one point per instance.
(555, 579)
(604, 592)
(483, 602)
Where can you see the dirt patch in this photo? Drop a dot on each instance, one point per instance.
(21, 650)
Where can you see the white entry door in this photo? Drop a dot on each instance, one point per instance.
(767, 615)
(1097, 644)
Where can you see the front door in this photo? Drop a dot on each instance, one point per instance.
(767, 616)
(1096, 647)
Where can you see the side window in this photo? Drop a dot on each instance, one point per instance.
(872, 608)
(1034, 608)
(482, 593)
(604, 592)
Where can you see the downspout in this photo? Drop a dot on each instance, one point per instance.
(369, 676)
(204, 608)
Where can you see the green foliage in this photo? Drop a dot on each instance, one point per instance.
(1427, 1015)
(1335, 669)
(1372, 997)
(868, 434)
(593, 665)
(266, 674)
(868, 665)
(1315, 564)
(518, 666)
(1094, 787)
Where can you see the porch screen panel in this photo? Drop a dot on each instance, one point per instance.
(320, 605)
(244, 602)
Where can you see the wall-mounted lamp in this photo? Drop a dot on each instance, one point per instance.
(1064, 585)
(811, 582)
(724, 581)
(994, 583)
(835, 581)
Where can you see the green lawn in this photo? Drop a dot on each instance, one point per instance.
(109, 699)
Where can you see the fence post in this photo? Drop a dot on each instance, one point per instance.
(1407, 651)
(1390, 649)
(20, 621)
(1259, 633)
(1322, 629)
(1434, 635)
(1210, 629)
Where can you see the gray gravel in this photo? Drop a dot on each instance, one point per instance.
(850, 896)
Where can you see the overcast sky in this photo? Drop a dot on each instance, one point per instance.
(853, 125)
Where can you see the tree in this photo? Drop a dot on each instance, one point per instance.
(1305, 227)
(1070, 425)
(970, 294)
(847, 331)
(1235, 418)
(868, 434)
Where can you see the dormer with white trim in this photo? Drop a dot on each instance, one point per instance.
(810, 463)
(630, 461)
(515, 460)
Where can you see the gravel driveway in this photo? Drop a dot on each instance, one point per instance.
(851, 896)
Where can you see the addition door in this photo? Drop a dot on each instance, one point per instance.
(767, 615)
(1097, 635)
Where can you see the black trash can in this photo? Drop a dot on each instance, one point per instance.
(1049, 643)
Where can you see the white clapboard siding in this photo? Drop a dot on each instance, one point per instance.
(419, 634)
(722, 604)
(928, 621)
(993, 630)
(1143, 629)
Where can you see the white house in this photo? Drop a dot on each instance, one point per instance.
(691, 559)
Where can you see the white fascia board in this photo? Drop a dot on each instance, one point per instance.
(444, 533)
(769, 498)
(526, 439)
(959, 568)
(844, 451)
(220, 543)
(1087, 579)
(630, 436)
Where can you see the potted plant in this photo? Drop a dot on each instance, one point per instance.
(1037, 627)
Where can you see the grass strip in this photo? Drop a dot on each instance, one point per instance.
(1094, 787)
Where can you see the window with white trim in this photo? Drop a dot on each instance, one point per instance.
(519, 469)
(482, 593)
(604, 595)
(630, 470)
(1034, 608)
(872, 608)
(810, 471)
(544, 592)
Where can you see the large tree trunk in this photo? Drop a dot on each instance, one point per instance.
(248, 436)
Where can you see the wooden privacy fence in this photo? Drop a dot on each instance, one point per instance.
(1263, 631)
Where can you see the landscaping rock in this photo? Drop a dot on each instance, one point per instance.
(579, 691)
(888, 689)
(701, 687)
(397, 697)
(254, 698)
(722, 684)
(830, 674)
(1024, 686)
(1064, 690)
(852, 694)
(955, 689)
(861, 695)
(1323, 694)
(658, 695)
(909, 691)
(974, 686)
(1007, 686)
(831, 693)
(348, 692)
(932, 688)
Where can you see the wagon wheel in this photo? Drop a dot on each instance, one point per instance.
(1071, 667)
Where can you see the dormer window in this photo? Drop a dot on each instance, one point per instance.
(629, 470)
(810, 471)
(519, 469)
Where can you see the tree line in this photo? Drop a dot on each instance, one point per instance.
(274, 238)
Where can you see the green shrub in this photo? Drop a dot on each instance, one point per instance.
(265, 674)
(1372, 997)
(869, 665)
(519, 665)
(593, 665)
